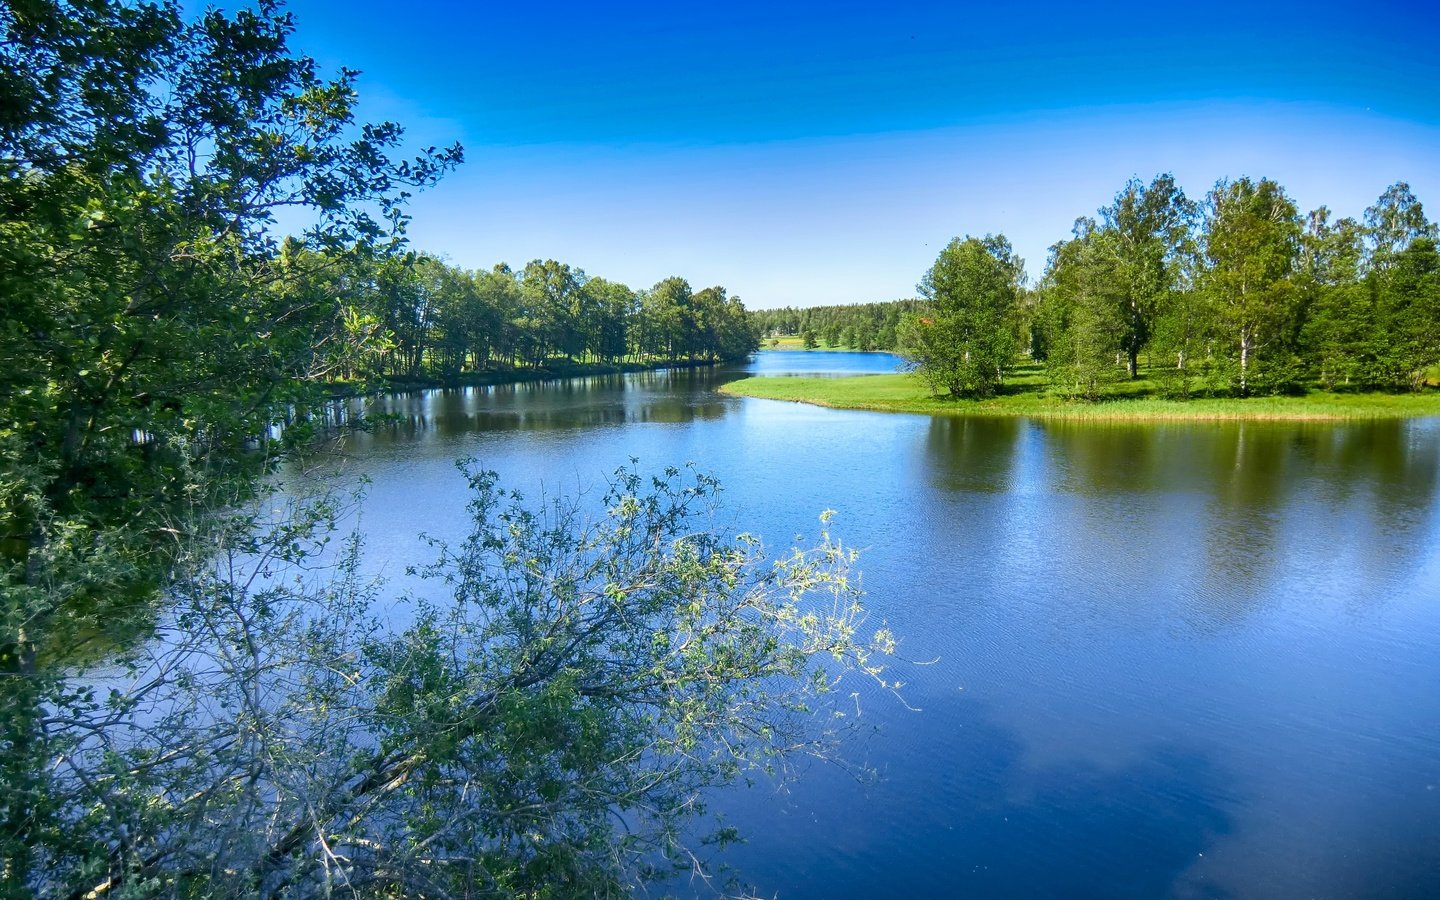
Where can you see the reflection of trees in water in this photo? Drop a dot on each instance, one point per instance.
(572, 404)
(1216, 518)
(973, 454)
(1397, 463)
(1252, 474)
(1267, 484)
(1102, 457)
(1375, 488)
(1332, 507)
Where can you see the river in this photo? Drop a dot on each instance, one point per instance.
(1190, 660)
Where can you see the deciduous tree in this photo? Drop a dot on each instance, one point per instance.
(1151, 225)
(964, 340)
(148, 328)
(1252, 237)
(549, 729)
(1085, 312)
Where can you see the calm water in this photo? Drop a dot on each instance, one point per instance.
(1193, 661)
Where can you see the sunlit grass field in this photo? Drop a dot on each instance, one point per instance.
(1026, 394)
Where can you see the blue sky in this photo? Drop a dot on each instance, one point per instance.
(817, 153)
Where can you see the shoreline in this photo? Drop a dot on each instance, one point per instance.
(496, 378)
(904, 394)
(821, 350)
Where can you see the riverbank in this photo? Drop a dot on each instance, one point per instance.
(795, 342)
(494, 377)
(1026, 398)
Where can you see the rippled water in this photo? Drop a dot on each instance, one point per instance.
(1173, 660)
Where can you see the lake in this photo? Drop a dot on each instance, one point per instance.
(1170, 660)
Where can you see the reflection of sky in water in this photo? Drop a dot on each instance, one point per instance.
(823, 362)
(1190, 660)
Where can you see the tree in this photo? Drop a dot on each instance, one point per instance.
(403, 291)
(737, 335)
(1252, 241)
(1151, 226)
(1392, 224)
(464, 324)
(1340, 331)
(670, 315)
(1408, 310)
(1085, 314)
(554, 299)
(964, 341)
(616, 305)
(873, 324)
(710, 308)
(151, 326)
(548, 730)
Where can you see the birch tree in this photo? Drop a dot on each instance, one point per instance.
(1251, 241)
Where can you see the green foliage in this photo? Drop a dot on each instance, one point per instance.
(859, 326)
(548, 730)
(445, 322)
(1408, 292)
(1246, 300)
(150, 321)
(1252, 241)
(151, 327)
(1151, 229)
(1338, 326)
(965, 339)
(1083, 314)
(1395, 222)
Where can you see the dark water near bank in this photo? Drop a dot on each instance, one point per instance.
(1174, 660)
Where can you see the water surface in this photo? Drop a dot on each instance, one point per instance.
(1173, 660)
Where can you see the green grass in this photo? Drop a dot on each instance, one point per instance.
(795, 342)
(1025, 395)
(783, 342)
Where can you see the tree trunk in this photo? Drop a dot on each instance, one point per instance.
(1244, 360)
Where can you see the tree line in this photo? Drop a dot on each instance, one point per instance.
(1237, 294)
(858, 326)
(439, 321)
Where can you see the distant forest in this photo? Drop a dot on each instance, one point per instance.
(858, 326)
(431, 320)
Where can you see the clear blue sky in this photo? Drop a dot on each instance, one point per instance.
(815, 153)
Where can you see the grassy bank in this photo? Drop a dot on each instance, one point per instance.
(783, 342)
(795, 342)
(1025, 395)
